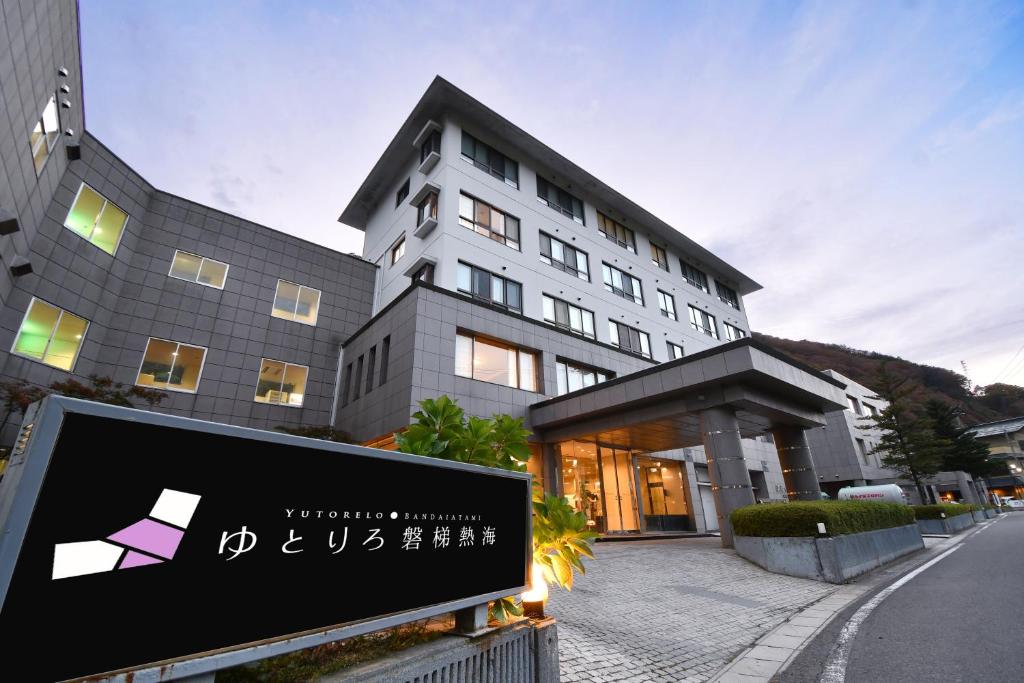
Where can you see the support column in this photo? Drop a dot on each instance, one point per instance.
(730, 480)
(797, 465)
(966, 486)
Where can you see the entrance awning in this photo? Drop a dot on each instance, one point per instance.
(658, 408)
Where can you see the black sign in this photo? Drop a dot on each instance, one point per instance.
(151, 542)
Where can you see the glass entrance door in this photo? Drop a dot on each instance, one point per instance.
(619, 491)
(663, 495)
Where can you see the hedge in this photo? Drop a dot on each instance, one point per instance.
(800, 518)
(936, 511)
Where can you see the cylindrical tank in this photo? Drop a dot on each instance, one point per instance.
(883, 493)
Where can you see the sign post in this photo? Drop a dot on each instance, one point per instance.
(148, 546)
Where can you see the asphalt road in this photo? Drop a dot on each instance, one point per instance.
(962, 619)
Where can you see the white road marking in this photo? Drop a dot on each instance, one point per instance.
(839, 657)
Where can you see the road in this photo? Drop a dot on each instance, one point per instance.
(958, 620)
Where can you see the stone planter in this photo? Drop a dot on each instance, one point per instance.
(990, 514)
(945, 527)
(978, 515)
(834, 560)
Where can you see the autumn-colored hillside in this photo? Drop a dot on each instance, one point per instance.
(982, 404)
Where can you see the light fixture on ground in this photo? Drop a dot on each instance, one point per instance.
(533, 599)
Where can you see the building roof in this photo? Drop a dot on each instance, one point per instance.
(1007, 426)
(442, 97)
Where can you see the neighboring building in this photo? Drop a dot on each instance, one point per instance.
(1005, 440)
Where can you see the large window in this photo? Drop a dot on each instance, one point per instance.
(194, 268)
(570, 376)
(674, 350)
(629, 338)
(486, 286)
(616, 232)
(50, 335)
(281, 383)
(560, 200)
(727, 295)
(694, 276)
(557, 253)
(659, 257)
(296, 302)
(622, 284)
(495, 362)
(487, 159)
(93, 217)
(703, 322)
(44, 135)
(573, 318)
(488, 221)
(732, 333)
(171, 365)
(667, 305)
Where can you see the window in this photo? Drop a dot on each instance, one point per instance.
(854, 404)
(431, 144)
(487, 159)
(296, 302)
(427, 209)
(732, 333)
(385, 351)
(571, 376)
(198, 269)
(862, 448)
(694, 276)
(727, 295)
(667, 305)
(617, 233)
(371, 360)
(703, 321)
(495, 362)
(629, 338)
(872, 411)
(486, 286)
(560, 200)
(171, 365)
(50, 335)
(425, 273)
(358, 379)
(44, 135)
(659, 257)
(557, 253)
(622, 284)
(568, 316)
(488, 221)
(93, 217)
(346, 382)
(398, 251)
(402, 193)
(281, 383)
(674, 351)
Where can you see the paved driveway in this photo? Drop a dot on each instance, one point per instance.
(675, 610)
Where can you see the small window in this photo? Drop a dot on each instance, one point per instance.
(862, 448)
(659, 257)
(617, 233)
(667, 305)
(371, 361)
(96, 219)
(402, 193)
(385, 351)
(430, 145)
(398, 251)
(50, 335)
(425, 273)
(282, 384)
(171, 365)
(694, 276)
(489, 160)
(558, 199)
(296, 302)
(488, 221)
(571, 376)
(872, 411)
(566, 258)
(622, 284)
(569, 316)
(732, 333)
(629, 338)
(675, 351)
(357, 387)
(703, 322)
(44, 135)
(198, 269)
(346, 382)
(854, 404)
(427, 209)
(727, 295)
(496, 362)
(486, 286)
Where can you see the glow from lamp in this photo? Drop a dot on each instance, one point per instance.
(533, 599)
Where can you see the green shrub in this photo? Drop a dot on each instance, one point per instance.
(936, 511)
(800, 518)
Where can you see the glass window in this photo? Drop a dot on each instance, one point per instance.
(570, 376)
(732, 333)
(489, 160)
(667, 304)
(622, 284)
(566, 258)
(385, 352)
(617, 233)
(629, 338)
(93, 217)
(488, 221)
(371, 361)
(569, 316)
(402, 193)
(703, 322)
(727, 295)
(694, 276)
(427, 208)
(431, 144)
(674, 351)
(398, 251)
(486, 286)
(659, 257)
(50, 335)
(357, 387)
(44, 135)
(171, 365)
(495, 362)
(198, 269)
(281, 383)
(346, 381)
(558, 199)
(296, 302)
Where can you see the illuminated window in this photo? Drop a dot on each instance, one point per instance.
(569, 259)
(732, 333)
(703, 322)
(674, 351)
(50, 335)
(558, 199)
(568, 316)
(629, 338)
(96, 219)
(198, 269)
(622, 284)
(398, 251)
(488, 221)
(667, 305)
(495, 362)
(659, 257)
(617, 233)
(296, 302)
(281, 383)
(44, 135)
(571, 376)
(171, 365)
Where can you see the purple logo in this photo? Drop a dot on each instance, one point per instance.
(149, 541)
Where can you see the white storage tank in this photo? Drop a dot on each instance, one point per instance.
(883, 493)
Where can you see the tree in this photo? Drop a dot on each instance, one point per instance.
(18, 396)
(325, 432)
(963, 452)
(106, 390)
(908, 443)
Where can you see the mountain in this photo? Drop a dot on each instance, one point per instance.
(981, 404)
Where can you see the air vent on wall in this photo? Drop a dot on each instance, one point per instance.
(20, 266)
(8, 222)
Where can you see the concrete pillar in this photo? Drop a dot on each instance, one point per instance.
(471, 620)
(729, 477)
(797, 465)
(967, 492)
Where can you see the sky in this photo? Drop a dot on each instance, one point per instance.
(863, 161)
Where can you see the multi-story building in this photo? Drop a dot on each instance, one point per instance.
(1005, 441)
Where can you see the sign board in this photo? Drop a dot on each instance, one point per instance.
(134, 540)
